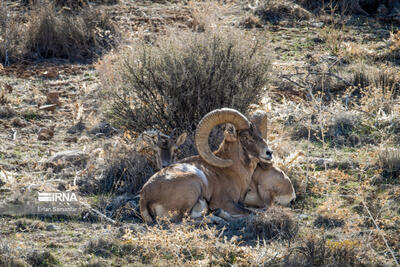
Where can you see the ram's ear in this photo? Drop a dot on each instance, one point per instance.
(181, 139)
(230, 133)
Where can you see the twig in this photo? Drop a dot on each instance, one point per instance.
(101, 215)
(14, 134)
(379, 231)
(289, 80)
(288, 76)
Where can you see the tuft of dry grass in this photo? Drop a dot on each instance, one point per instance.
(127, 172)
(42, 258)
(389, 162)
(271, 225)
(274, 11)
(73, 36)
(318, 251)
(6, 112)
(46, 31)
(9, 256)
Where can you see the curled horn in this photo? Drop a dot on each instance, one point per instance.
(209, 121)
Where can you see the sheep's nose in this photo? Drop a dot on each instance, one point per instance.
(292, 202)
(268, 153)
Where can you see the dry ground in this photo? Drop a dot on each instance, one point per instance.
(333, 102)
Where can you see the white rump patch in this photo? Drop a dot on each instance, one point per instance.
(184, 167)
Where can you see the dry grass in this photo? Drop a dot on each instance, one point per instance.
(271, 225)
(389, 162)
(47, 32)
(346, 180)
(127, 172)
(276, 11)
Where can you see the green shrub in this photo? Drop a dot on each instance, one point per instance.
(174, 82)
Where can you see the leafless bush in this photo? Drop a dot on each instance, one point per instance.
(11, 36)
(327, 223)
(72, 36)
(46, 32)
(176, 81)
(275, 223)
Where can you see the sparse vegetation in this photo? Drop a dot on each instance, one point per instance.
(326, 73)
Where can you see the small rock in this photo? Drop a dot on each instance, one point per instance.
(51, 107)
(317, 40)
(137, 227)
(53, 98)
(71, 139)
(2, 179)
(103, 129)
(52, 227)
(45, 134)
(69, 157)
(317, 24)
(6, 112)
(77, 128)
(303, 216)
(17, 122)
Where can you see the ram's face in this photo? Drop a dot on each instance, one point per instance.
(255, 145)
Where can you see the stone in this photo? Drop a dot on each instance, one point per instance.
(45, 134)
(67, 158)
(317, 24)
(53, 98)
(77, 128)
(52, 227)
(71, 139)
(103, 129)
(17, 122)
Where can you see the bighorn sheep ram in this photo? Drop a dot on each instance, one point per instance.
(218, 180)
